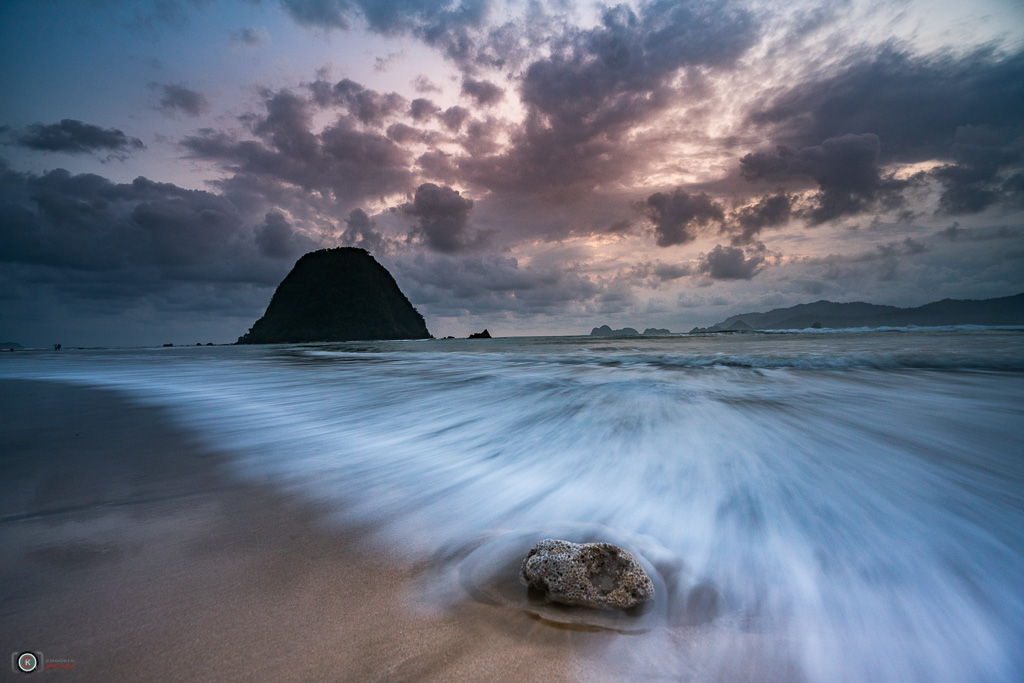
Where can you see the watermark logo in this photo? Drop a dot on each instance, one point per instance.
(29, 661)
(26, 662)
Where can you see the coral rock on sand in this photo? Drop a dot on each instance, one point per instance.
(599, 575)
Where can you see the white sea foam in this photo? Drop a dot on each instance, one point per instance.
(856, 503)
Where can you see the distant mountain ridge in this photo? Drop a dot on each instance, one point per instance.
(1007, 310)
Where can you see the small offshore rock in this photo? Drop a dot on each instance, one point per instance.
(598, 575)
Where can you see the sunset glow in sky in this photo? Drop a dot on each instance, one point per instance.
(529, 167)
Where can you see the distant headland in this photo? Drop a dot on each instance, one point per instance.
(1007, 310)
(338, 294)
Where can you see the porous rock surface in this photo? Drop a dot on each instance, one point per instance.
(598, 575)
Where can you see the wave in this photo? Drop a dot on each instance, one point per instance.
(861, 520)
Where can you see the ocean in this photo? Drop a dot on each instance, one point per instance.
(829, 505)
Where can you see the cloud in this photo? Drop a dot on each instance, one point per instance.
(879, 264)
(499, 288)
(434, 21)
(482, 137)
(966, 110)
(74, 137)
(731, 263)
(276, 239)
(368, 106)
(483, 92)
(954, 233)
(342, 160)
(438, 165)
(361, 233)
(402, 134)
(846, 170)
(908, 246)
(423, 84)
(256, 36)
(655, 274)
(598, 84)
(677, 216)
(913, 103)
(748, 222)
(422, 109)
(442, 218)
(380, 64)
(152, 231)
(454, 117)
(175, 98)
(980, 176)
(326, 14)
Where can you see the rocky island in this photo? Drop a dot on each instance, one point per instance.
(338, 294)
(606, 331)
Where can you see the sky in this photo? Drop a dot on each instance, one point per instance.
(529, 167)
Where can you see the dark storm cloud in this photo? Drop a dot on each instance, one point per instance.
(731, 263)
(368, 106)
(967, 110)
(342, 160)
(677, 216)
(179, 98)
(276, 239)
(484, 92)
(598, 84)
(979, 176)
(361, 232)
(846, 170)
(148, 230)
(914, 104)
(442, 218)
(74, 137)
(769, 212)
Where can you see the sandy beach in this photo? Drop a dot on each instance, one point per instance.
(129, 554)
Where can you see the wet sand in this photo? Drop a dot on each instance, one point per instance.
(130, 553)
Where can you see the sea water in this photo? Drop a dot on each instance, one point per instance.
(823, 505)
